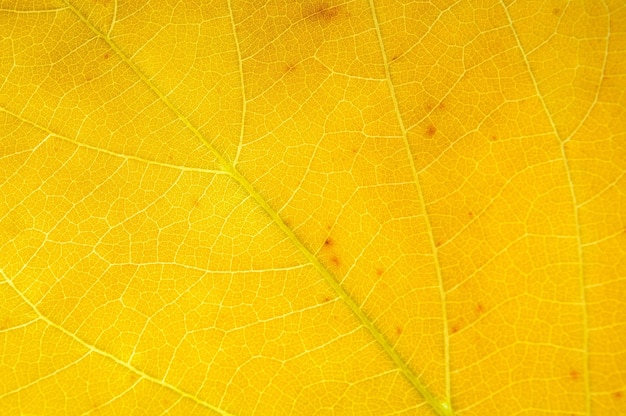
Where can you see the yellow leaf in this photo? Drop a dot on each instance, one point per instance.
(312, 207)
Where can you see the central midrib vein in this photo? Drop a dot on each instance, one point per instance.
(439, 407)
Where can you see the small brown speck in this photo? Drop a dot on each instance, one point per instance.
(574, 375)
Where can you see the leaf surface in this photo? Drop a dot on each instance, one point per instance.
(312, 207)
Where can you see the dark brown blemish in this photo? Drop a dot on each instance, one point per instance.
(399, 330)
(335, 260)
(480, 309)
(380, 271)
(556, 11)
(289, 68)
(6, 322)
(326, 299)
(429, 106)
(455, 329)
(618, 395)
(470, 214)
(431, 130)
(494, 138)
(574, 375)
(329, 242)
(323, 13)
(107, 56)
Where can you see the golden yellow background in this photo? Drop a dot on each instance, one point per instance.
(312, 207)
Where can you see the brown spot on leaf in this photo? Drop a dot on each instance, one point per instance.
(329, 242)
(430, 106)
(574, 375)
(326, 299)
(556, 11)
(480, 308)
(399, 330)
(431, 130)
(455, 329)
(335, 261)
(107, 56)
(380, 271)
(618, 395)
(470, 214)
(323, 13)
(289, 68)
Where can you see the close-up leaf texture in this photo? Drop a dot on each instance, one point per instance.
(307, 207)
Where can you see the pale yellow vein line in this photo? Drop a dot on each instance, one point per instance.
(52, 135)
(568, 170)
(119, 396)
(244, 101)
(442, 408)
(113, 18)
(38, 11)
(121, 363)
